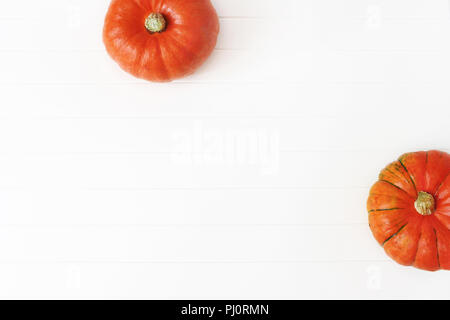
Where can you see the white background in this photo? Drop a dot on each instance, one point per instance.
(246, 180)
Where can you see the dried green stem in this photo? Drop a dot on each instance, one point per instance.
(155, 22)
(425, 204)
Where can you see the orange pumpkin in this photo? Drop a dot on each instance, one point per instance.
(160, 40)
(409, 210)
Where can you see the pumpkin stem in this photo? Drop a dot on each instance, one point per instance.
(425, 204)
(155, 22)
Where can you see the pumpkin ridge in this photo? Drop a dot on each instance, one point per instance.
(163, 62)
(409, 174)
(425, 167)
(438, 162)
(126, 45)
(395, 174)
(441, 224)
(139, 4)
(145, 55)
(441, 184)
(386, 195)
(138, 59)
(168, 44)
(442, 236)
(157, 6)
(437, 247)
(382, 180)
(390, 209)
(399, 230)
(418, 243)
(388, 169)
(181, 46)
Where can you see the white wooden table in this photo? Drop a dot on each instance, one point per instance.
(246, 180)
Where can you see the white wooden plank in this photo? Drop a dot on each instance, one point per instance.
(193, 244)
(253, 207)
(179, 139)
(199, 101)
(149, 171)
(331, 280)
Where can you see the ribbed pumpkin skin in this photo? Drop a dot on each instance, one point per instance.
(408, 237)
(188, 40)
